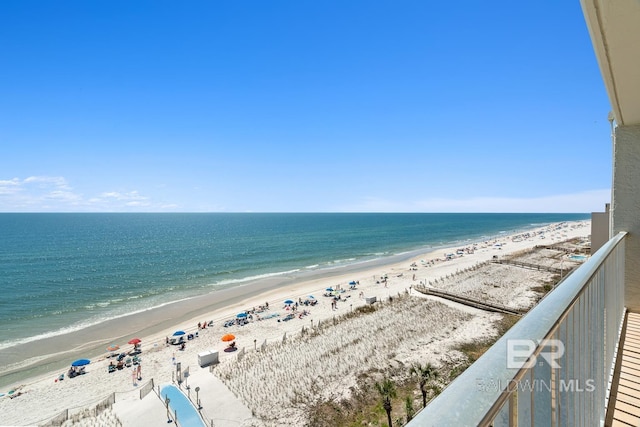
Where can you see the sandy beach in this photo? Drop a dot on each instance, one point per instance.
(279, 365)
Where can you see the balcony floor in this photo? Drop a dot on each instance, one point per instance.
(625, 396)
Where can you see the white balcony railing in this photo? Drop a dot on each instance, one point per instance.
(552, 368)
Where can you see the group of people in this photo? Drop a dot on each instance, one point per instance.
(336, 298)
(125, 362)
(74, 371)
(248, 316)
(307, 302)
(204, 324)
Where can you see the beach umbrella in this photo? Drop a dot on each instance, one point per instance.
(81, 362)
(135, 341)
(289, 301)
(329, 289)
(312, 297)
(113, 347)
(241, 315)
(228, 337)
(178, 333)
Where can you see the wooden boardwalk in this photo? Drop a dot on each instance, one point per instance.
(624, 403)
(482, 305)
(530, 266)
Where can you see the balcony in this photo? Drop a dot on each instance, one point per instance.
(559, 364)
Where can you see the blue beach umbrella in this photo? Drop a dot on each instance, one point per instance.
(178, 333)
(312, 297)
(81, 362)
(289, 301)
(241, 315)
(329, 289)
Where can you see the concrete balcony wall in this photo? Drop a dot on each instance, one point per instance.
(626, 206)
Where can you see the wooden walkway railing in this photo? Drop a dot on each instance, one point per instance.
(482, 305)
(529, 265)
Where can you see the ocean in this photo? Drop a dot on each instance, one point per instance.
(64, 272)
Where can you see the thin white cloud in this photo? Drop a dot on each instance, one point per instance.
(131, 195)
(34, 191)
(10, 186)
(131, 199)
(55, 194)
(138, 204)
(168, 206)
(56, 181)
(110, 195)
(586, 201)
(62, 195)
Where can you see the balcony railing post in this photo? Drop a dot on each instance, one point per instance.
(513, 410)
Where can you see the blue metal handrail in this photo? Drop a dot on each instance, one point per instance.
(569, 382)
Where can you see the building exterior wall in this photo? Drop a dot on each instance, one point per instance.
(625, 207)
(600, 224)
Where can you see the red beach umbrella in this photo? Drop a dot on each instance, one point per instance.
(135, 341)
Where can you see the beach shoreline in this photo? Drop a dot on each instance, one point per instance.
(53, 352)
(154, 325)
(32, 359)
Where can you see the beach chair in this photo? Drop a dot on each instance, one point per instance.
(128, 362)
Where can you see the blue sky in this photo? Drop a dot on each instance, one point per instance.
(300, 106)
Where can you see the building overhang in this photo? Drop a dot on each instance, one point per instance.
(614, 26)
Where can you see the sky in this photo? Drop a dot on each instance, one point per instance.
(301, 106)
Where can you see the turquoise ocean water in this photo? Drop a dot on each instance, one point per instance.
(62, 272)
